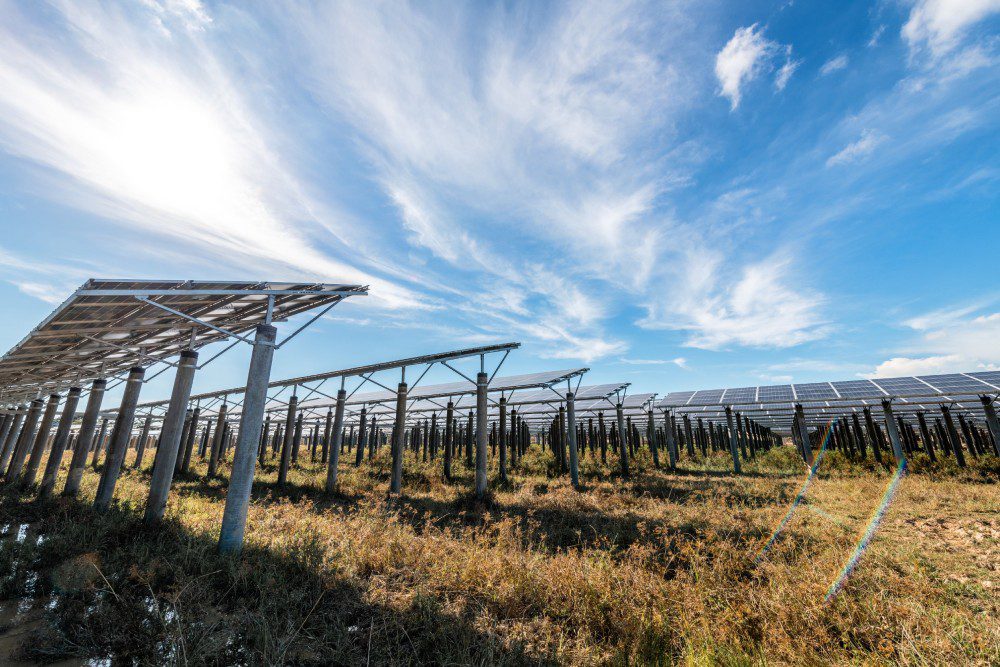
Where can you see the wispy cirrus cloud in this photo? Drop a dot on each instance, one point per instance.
(747, 55)
(941, 25)
(857, 150)
(950, 340)
(680, 362)
(834, 64)
(134, 115)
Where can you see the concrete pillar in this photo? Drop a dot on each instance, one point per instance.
(688, 435)
(179, 461)
(502, 437)
(859, 437)
(206, 439)
(671, 441)
(217, 444)
(807, 453)
(192, 436)
(286, 445)
(398, 434)
(942, 437)
(338, 438)
(651, 434)
(574, 456)
(13, 435)
(969, 442)
(925, 435)
(359, 451)
(297, 440)
(741, 436)
(481, 425)
(97, 446)
(170, 438)
(59, 444)
(992, 423)
(261, 446)
(5, 424)
(41, 439)
(561, 440)
(893, 430)
(449, 438)
(873, 436)
(120, 436)
(234, 516)
(469, 440)
(83, 438)
(24, 440)
(325, 451)
(956, 442)
(622, 441)
(734, 446)
(140, 449)
(602, 435)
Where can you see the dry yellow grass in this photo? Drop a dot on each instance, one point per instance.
(658, 569)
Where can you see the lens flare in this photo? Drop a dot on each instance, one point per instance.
(869, 532)
(799, 497)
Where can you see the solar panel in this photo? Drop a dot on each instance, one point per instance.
(107, 326)
(636, 400)
(992, 378)
(707, 396)
(775, 393)
(856, 389)
(676, 398)
(955, 383)
(896, 386)
(742, 395)
(599, 390)
(814, 391)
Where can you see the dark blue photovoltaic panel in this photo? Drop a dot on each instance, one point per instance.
(814, 391)
(636, 400)
(676, 398)
(857, 389)
(707, 396)
(902, 385)
(742, 395)
(990, 377)
(778, 392)
(953, 383)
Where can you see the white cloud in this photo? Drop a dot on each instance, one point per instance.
(959, 339)
(876, 36)
(680, 362)
(43, 291)
(857, 150)
(529, 141)
(160, 142)
(742, 59)
(834, 65)
(940, 25)
(757, 307)
(785, 73)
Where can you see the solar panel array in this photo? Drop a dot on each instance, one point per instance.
(108, 326)
(952, 386)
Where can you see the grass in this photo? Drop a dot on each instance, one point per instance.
(658, 569)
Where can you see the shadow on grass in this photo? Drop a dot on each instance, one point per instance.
(553, 527)
(122, 590)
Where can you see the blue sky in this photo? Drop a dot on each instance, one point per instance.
(679, 195)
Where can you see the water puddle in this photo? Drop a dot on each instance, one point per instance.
(25, 614)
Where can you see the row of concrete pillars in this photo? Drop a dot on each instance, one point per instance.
(25, 437)
(860, 436)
